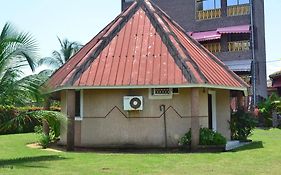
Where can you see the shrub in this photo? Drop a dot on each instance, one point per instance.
(44, 140)
(207, 137)
(210, 137)
(11, 113)
(186, 139)
(241, 125)
(15, 120)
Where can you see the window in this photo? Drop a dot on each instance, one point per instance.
(238, 7)
(77, 104)
(208, 9)
(162, 93)
(237, 2)
(208, 4)
(211, 4)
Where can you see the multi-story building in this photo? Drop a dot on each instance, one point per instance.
(232, 29)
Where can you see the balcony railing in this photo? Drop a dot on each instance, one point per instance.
(208, 14)
(237, 10)
(238, 46)
(213, 47)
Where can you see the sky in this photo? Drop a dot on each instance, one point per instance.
(82, 20)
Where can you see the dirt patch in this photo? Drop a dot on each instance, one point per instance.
(37, 146)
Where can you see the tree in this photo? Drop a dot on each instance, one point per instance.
(58, 58)
(17, 50)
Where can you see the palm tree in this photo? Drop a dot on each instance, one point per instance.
(58, 58)
(17, 50)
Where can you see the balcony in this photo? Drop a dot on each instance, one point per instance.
(208, 14)
(238, 46)
(237, 10)
(213, 47)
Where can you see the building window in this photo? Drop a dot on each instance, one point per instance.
(238, 7)
(237, 2)
(162, 93)
(208, 9)
(77, 104)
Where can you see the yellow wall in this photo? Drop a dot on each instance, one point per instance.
(141, 129)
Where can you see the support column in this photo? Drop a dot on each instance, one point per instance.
(70, 101)
(195, 126)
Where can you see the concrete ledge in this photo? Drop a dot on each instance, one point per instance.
(231, 145)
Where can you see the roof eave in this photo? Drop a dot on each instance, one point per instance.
(244, 89)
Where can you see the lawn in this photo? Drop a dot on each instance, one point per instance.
(261, 157)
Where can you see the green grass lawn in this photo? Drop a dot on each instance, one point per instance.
(261, 157)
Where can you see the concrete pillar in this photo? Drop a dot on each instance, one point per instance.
(70, 101)
(195, 126)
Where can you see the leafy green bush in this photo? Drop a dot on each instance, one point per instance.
(44, 140)
(266, 108)
(186, 139)
(241, 125)
(209, 137)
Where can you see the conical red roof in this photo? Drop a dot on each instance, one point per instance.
(143, 47)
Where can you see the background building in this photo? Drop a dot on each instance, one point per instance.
(231, 29)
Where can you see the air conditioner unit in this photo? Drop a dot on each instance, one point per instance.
(133, 103)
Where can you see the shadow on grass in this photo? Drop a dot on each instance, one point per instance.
(251, 146)
(23, 160)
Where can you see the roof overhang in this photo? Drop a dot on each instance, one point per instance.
(216, 34)
(234, 29)
(244, 89)
(206, 36)
(239, 65)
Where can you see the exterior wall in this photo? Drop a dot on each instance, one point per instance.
(64, 128)
(184, 11)
(103, 125)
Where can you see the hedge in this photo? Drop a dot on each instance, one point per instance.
(7, 113)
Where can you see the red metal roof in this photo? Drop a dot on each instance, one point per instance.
(143, 47)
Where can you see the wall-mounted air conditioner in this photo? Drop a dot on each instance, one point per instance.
(133, 103)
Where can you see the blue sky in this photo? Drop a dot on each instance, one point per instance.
(81, 20)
